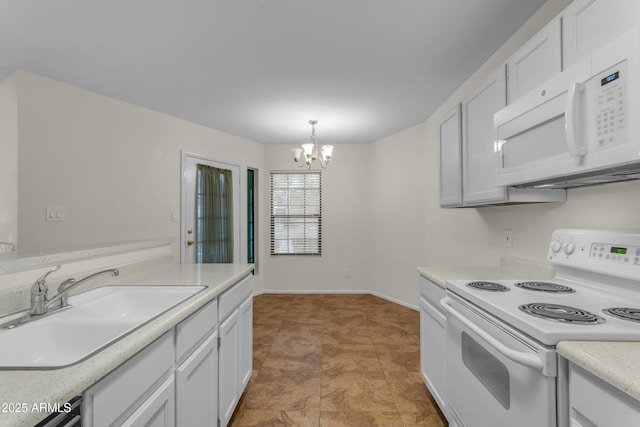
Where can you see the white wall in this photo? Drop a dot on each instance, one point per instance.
(400, 169)
(8, 161)
(345, 226)
(113, 166)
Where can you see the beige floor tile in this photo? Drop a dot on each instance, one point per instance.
(356, 392)
(346, 335)
(281, 418)
(338, 359)
(402, 358)
(351, 419)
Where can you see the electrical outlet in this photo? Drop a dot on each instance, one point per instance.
(508, 239)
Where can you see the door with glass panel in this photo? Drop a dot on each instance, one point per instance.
(210, 211)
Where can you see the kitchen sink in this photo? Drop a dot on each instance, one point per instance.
(95, 319)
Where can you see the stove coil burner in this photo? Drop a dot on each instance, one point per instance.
(545, 287)
(561, 313)
(632, 314)
(488, 286)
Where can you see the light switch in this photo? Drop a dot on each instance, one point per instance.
(54, 214)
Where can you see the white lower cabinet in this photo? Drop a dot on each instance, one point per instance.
(246, 342)
(229, 384)
(236, 342)
(433, 359)
(193, 375)
(115, 398)
(158, 410)
(595, 403)
(197, 386)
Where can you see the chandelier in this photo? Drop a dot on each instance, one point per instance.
(309, 151)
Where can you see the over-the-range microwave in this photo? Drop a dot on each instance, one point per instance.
(581, 127)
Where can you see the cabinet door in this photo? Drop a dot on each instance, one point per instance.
(158, 410)
(450, 135)
(197, 386)
(433, 359)
(535, 62)
(228, 369)
(589, 24)
(246, 343)
(479, 145)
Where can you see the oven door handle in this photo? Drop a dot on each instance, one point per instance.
(526, 359)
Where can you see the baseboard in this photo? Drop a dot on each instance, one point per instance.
(341, 292)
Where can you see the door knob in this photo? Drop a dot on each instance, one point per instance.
(189, 242)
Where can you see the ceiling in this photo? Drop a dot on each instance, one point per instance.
(260, 69)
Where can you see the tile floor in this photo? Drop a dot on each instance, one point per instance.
(335, 360)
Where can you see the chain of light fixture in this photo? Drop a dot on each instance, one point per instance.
(309, 152)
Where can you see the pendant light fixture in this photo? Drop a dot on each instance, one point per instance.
(309, 151)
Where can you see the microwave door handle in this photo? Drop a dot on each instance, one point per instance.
(572, 120)
(526, 359)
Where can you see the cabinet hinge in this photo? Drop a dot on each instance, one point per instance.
(219, 344)
(218, 418)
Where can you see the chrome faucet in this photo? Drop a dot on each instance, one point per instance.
(42, 306)
(39, 292)
(61, 299)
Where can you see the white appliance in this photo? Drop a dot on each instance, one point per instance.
(501, 334)
(579, 128)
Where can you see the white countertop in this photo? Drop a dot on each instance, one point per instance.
(60, 385)
(617, 363)
(613, 362)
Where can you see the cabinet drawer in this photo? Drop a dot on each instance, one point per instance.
(118, 394)
(432, 292)
(233, 296)
(193, 330)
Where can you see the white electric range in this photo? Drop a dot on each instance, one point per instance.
(501, 334)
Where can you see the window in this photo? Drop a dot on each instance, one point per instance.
(296, 214)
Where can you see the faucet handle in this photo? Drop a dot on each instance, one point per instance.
(41, 284)
(39, 292)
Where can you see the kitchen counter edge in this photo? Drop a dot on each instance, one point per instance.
(615, 363)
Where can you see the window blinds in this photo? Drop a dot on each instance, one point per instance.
(296, 214)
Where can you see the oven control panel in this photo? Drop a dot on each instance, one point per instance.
(615, 253)
(609, 252)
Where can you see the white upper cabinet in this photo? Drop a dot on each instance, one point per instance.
(479, 161)
(535, 62)
(450, 136)
(589, 24)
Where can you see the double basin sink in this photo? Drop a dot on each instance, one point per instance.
(95, 319)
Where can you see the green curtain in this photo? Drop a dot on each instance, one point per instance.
(214, 215)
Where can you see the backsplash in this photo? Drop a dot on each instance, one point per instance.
(132, 259)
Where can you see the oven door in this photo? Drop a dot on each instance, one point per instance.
(496, 377)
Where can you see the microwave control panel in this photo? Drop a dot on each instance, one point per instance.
(611, 105)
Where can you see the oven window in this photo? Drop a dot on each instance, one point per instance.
(490, 371)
